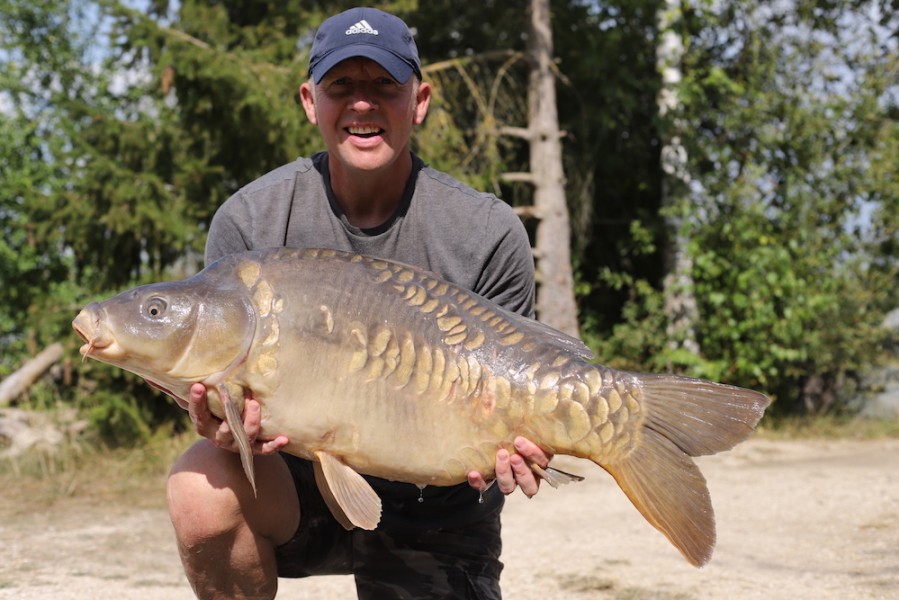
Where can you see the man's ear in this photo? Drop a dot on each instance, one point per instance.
(422, 101)
(307, 96)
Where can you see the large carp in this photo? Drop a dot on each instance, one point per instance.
(369, 366)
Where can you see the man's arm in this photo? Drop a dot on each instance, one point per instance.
(508, 279)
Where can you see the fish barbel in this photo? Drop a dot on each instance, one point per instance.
(374, 367)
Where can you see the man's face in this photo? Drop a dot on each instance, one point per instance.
(364, 115)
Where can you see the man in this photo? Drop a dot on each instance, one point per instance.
(368, 193)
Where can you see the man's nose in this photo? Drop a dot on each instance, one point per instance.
(362, 99)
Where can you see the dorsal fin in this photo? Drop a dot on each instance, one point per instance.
(546, 334)
(393, 272)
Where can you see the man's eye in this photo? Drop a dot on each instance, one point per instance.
(339, 83)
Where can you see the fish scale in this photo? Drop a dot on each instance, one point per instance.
(372, 367)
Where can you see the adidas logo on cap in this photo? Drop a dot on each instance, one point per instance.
(362, 27)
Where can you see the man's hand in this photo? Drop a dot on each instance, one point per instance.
(513, 470)
(218, 432)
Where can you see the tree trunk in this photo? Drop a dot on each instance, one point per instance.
(680, 303)
(555, 292)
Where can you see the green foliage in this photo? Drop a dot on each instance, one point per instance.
(790, 211)
(787, 312)
(35, 268)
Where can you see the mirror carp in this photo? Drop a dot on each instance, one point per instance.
(373, 367)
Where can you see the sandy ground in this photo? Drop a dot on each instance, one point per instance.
(796, 520)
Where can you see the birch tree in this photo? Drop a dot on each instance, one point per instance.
(680, 302)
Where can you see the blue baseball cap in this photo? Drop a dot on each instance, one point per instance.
(366, 32)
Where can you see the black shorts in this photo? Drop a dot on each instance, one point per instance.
(455, 563)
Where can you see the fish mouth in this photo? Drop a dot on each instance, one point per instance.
(89, 327)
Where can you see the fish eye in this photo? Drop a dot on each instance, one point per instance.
(156, 307)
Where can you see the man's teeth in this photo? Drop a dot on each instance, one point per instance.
(363, 130)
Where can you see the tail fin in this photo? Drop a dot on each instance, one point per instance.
(684, 417)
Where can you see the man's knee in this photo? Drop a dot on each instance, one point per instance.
(209, 496)
(205, 489)
(209, 503)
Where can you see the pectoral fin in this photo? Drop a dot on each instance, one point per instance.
(232, 416)
(351, 499)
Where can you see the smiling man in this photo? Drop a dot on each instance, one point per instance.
(366, 193)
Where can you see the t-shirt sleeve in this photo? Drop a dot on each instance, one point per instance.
(230, 230)
(508, 274)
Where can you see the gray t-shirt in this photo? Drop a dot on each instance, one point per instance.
(468, 238)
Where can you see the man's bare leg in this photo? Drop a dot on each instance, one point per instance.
(226, 537)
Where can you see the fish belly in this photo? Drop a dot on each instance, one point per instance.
(380, 428)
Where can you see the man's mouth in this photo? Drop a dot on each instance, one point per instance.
(365, 132)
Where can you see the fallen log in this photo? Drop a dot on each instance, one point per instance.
(14, 385)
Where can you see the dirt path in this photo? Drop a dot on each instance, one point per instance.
(796, 520)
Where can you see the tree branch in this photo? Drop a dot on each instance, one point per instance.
(519, 132)
(527, 212)
(518, 178)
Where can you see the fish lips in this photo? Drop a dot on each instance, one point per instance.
(98, 343)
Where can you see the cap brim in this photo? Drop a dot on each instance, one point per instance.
(397, 67)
